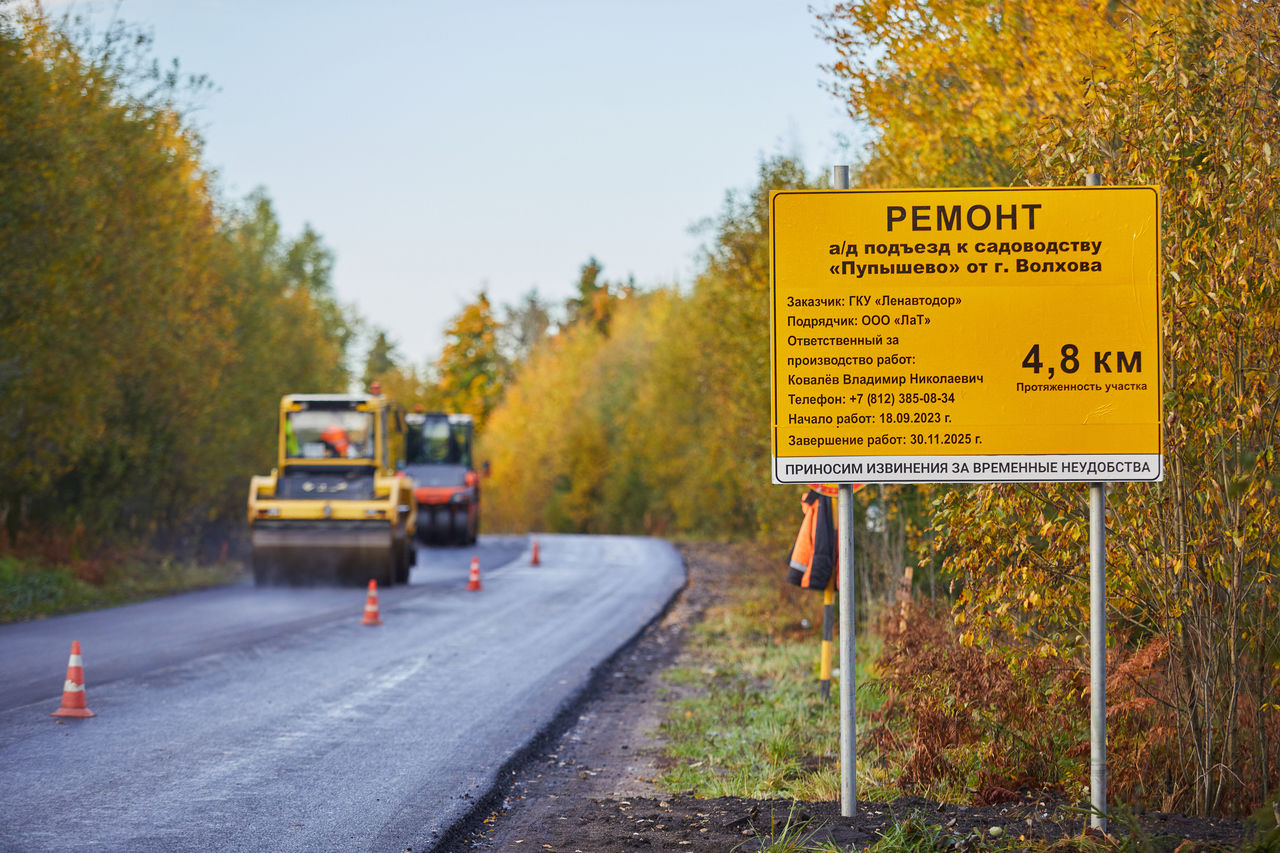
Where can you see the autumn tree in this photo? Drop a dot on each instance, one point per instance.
(471, 368)
(709, 398)
(108, 256)
(1192, 562)
(952, 87)
(658, 419)
(564, 440)
(147, 328)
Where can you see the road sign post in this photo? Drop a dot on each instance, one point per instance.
(1098, 655)
(1097, 641)
(848, 672)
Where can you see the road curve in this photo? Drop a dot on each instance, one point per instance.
(289, 726)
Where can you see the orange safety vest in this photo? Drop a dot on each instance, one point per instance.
(336, 437)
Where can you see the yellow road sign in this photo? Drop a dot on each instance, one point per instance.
(978, 335)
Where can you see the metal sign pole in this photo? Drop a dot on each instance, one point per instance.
(1098, 655)
(1097, 640)
(848, 726)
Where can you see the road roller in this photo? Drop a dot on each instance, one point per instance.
(338, 507)
(439, 458)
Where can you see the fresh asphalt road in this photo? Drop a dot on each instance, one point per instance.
(247, 719)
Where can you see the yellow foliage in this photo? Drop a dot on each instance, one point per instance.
(471, 371)
(953, 87)
(562, 442)
(658, 419)
(1191, 561)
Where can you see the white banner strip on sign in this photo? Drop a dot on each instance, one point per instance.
(1050, 468)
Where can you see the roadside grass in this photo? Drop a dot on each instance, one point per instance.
(934, 719)
(750, 721)
(794, 835)
(919, 833)
(33, 589)
(916, 834)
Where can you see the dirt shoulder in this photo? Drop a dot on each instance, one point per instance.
(591, 787)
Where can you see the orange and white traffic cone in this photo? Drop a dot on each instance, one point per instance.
(534, 561)
(474, 582)
(371, 606)
(73, 701)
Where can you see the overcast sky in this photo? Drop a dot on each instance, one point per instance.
(444, 147)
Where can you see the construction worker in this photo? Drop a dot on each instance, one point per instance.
(441, 446)
(290, 440)
(335, 441)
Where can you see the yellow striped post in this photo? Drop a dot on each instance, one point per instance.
(828, 629)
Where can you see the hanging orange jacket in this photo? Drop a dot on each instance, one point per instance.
(813, 558)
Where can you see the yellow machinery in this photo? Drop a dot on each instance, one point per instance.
(338, 506)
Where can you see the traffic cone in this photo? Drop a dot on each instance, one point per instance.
(73, 704)
(534, 561)
(371, 606)
(474, 582)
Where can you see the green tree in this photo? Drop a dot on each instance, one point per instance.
(109, 254)
(582, 307)
(596, 300)
(308, 265)
(380, 360)
(524, 326)
(147, 329)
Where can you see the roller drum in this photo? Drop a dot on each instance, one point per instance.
(324, 552)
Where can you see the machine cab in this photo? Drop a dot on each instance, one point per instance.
(439, 458)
